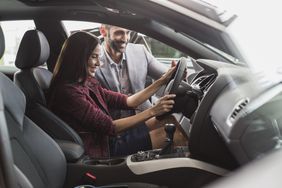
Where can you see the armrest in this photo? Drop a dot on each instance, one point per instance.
(73, 152)
(52, 124)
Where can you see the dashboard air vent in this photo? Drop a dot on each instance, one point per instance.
(238, 108)
(199, 80)
(202, 83)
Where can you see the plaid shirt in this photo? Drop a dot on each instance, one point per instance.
(85, 108)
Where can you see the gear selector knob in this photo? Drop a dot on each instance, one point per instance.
(169, 129)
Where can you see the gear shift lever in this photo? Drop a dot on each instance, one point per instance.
(169, 129)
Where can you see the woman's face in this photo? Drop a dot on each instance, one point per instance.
(93, 61)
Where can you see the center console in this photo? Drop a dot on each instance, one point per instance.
(144, 166)
(157, 154)
(156, 166)
(103, 162)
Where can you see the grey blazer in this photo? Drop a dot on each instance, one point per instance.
(140, 64)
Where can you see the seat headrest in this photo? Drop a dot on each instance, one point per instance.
(13, 99)
(34, 50)
(2, 43)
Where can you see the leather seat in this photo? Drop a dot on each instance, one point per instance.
(2, 43)
(29, 157)
(38, 160)
(34, 80)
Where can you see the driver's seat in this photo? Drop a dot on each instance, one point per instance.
(36, 160)
(34, 81)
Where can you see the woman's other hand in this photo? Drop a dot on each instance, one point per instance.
(163, 105)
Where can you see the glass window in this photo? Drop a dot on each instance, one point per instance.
(13, 33)
(73, 26)
(163, 53)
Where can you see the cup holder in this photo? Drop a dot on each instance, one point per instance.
(104, 162)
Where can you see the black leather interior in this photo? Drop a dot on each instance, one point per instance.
(31, 147)
(38, 159)
(34, 81)
(29, 157)
(33, 51)
(13, 176)
(73, 152)
(2, 43)
(6, 162)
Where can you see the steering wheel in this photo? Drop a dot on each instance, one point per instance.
(174, 82)
(176, 78)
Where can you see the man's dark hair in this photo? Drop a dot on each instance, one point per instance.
(107, 26)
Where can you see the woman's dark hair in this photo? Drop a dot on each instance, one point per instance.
(71, 66)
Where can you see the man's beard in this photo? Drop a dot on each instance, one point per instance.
(115, 45)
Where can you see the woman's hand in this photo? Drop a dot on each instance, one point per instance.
(166, 76)
(163, 105)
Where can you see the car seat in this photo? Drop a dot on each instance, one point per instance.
(34, 80)
(29, 157)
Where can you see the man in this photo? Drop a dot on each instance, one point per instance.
(125, 65)
(124, 68)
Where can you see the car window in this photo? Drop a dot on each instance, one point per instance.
(73, 26)
(13, 32)
(162, 52)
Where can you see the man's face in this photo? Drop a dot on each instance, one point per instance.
(117, 38)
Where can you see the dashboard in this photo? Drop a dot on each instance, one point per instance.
(237, 118)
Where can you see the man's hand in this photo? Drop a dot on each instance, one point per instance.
(173, 63)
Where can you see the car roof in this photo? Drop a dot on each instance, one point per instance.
(198, 10)
(145, 16)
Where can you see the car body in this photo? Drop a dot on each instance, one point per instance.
(238, 115)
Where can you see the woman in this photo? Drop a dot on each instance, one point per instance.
(76, 96)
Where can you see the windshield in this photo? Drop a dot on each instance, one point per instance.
(227, 56)
(255, 27)
(257, 31)
(207, 8)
